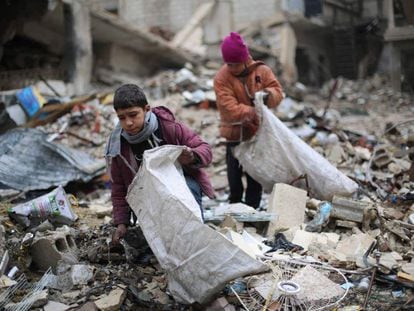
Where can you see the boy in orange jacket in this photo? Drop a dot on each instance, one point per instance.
(235, 86)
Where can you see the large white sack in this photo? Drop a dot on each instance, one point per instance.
(276, 155)
(198, 260)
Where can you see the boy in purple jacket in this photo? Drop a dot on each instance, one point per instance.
(141, 128)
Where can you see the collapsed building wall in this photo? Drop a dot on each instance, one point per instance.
(397, 58)
(19, 57)
(74, 36)
(170, 14)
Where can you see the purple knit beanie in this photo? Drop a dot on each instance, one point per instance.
(234, 49)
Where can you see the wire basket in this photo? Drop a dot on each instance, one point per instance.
(294, 285)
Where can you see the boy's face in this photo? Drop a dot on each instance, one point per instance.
(132, 118)
(236, 68)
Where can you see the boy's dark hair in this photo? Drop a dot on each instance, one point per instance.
(129, 95)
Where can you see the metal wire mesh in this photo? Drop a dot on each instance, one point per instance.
(32, 291)
(294, 285)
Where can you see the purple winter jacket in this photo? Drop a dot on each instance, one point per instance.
(123, 166)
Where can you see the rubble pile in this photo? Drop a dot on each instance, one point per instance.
(367, 238)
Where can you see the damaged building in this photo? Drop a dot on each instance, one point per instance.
(355, 38)
(334, 229)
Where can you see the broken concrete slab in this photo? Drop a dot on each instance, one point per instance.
(62, 282)
(107, 28)
(40, 299)
(381, 157)
(231, 223)
(393, 213)
(353, 248)
(55, 306)
(348, 209)
(324, 240)
(5, 282)
(408, 268)
(49, 248)
(345, 224)
(288, 203)
(112, 301)
(81, 274)
(335, 154)
(220, 304)
(89, 306)
(101, 210)
(246, 242)
(362, 153)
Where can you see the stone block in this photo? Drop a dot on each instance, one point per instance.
(49, 248)
(347, 209)
(55, 306)
(221, 304)
(322, 241)
(381, 157)
(89, 306)
(353, 248)
(81, 274)
(112, 301)
(288, 203)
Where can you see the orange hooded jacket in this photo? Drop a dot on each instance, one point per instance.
(235, 99)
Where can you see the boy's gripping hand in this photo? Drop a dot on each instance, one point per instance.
(186, 157)
(119, 233)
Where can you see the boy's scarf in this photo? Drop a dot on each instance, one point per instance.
(150, 126)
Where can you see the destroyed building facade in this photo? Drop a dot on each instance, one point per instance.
(354, 38)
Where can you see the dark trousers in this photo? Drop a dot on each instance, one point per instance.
(234, 176)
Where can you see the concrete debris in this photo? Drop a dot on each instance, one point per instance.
(5, 282)
(81, 274)
(89, 306)
(231, 223)
(112, 301)
(220, 304)
(346, 209)
(362, 127)
(55, 306)
(40, 299)
(288, 203)
(49, 248)
(319, 242)
(353, 248)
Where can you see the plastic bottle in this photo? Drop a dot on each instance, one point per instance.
(321, 218)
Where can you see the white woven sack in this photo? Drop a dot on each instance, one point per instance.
(276, 155)
(198, 260)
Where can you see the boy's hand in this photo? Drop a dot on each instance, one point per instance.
(119, 233)
(186, 157)
(250, 125)
(265, 94)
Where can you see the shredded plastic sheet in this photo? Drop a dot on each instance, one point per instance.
(276, 155)
(199, 261)
(29, 162)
